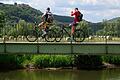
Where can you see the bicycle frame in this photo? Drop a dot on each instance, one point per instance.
(64, 29)
(78, 35)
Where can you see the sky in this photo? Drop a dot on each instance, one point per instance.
(93, 10)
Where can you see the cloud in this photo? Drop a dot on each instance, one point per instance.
(96, 16)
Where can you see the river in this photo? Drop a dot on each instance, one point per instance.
(107, 74)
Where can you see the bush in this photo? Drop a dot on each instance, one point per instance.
(112, 59)
(42, 61)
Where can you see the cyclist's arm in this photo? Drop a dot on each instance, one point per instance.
(72, 14)
(43, 16)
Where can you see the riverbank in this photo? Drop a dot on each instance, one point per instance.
(104, 66)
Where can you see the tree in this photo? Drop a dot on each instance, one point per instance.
(100, 32)
(22, 25)
(2, 22)
(85, 27)
(2, 19)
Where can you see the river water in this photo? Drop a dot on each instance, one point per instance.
(108, 74)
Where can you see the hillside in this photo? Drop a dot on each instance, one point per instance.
(14, 12)
(25, 12)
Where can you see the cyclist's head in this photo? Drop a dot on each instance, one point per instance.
(48, 9)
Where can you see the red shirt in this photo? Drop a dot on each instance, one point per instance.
(76, 14)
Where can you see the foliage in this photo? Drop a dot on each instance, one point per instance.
(112, 59)
(2, 21)
(85, 27)
(42, 61)
(2, 18)
(17, 29)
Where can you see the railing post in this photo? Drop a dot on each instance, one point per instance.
(71, 44)
(37, 47)
(106, 46)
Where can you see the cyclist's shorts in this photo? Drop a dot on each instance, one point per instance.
(46, 24)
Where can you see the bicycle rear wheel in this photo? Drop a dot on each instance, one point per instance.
(50, 36)
(79, 35)
(31, 35)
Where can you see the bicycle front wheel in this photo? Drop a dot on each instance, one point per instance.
(31, 35)
(79, 35)
(50, 36)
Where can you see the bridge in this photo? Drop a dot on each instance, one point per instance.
(68, 48)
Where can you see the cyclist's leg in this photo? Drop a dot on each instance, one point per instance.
(48, 24)
(73, 28)
(44, 28)
(41, 25)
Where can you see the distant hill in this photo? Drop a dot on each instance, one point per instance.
(15, 12)
(114, 19)
(98, 26)
(63, 19)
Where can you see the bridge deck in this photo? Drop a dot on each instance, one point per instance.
(84, 48)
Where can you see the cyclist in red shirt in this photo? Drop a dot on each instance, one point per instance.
(76, 13)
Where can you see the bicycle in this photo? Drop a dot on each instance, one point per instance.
(78, 35)
(35, 33)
